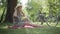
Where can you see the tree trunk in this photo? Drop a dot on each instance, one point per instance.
(10, 10)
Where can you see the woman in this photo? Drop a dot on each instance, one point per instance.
(17, 16)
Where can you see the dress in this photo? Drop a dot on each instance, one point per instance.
(18, 19)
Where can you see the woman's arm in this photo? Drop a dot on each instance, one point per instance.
(22, 13)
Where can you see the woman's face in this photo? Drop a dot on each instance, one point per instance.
(19, 8)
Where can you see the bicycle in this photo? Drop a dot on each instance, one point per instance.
(50, 21)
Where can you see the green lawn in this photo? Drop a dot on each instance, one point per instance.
(31, 31)
(43, 30)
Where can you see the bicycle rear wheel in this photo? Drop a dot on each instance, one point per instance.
(52, 22)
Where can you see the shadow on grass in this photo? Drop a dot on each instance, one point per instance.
(44, 30)
(53, 30)
(12, 31)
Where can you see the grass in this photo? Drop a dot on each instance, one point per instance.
(12, 31)
(31, 31)
(43, 30)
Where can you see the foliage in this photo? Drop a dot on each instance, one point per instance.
(50, 7)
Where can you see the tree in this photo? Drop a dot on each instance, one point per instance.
(10, 10)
